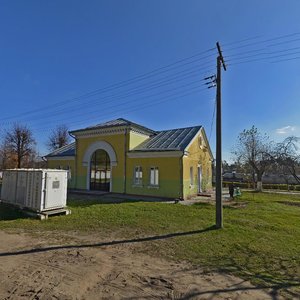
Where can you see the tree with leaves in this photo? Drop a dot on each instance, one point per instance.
(18, 148)
(253, 149)
(58, 138)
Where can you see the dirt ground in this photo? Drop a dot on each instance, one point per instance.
(35, 268)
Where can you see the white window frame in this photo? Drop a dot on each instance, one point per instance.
(138, 180)
(154, 180)
(191, 176)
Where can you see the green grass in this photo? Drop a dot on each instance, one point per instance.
(259, 242)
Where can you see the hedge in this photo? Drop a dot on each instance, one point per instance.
(267, 186)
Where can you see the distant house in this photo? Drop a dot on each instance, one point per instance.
(124, 157)
(233, 176)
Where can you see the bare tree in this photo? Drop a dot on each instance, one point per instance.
(287, 156)
(18, 147)
(253, 149)
(58, 138)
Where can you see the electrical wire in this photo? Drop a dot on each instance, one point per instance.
(120, 84)
(212, 120)
(137, 101)
(115, 113)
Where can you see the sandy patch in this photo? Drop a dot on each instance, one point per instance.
(31, 269)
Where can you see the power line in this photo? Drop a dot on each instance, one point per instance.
(120, 96)
(212, 120)
(263, 41)
(242, 41)
(267, 57)
(112, 107)
(131, 109)
(123, 83)
(241, 55)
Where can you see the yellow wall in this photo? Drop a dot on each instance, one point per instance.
(135, 139)
(195, 157)
(169, 177)
(171, 182)
(65, 165)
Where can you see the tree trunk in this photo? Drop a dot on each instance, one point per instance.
(259, 186)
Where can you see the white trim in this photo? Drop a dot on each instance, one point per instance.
(107, 131)
(193, 139)
(154, 154)
(199, 178)
(156, 178)
(86, 162)
(139, 133)
(140, 170)
(61, 158)
(99, 132)
(201, 130)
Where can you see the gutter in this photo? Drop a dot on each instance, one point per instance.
(125, 158)
(181, 175)
(75, 164)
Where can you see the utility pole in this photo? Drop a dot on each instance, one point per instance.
(219, 204)
(215, 81)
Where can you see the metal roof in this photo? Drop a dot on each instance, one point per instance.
(166, 140)
(68, 150)
(117, 123)
(174, 139)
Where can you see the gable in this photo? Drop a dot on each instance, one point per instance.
(199, 143)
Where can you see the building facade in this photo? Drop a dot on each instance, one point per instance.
(120, 156)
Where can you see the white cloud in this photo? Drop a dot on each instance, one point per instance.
(286, 130)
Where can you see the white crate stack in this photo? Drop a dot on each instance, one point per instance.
(39, 190)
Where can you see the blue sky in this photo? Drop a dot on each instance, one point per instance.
(54, 52)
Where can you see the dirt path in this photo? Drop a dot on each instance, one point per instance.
(30, 270)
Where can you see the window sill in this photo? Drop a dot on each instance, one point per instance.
(137, 186)
(153, 187)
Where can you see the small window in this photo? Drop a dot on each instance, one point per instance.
(154, 176)
(138, 175)
(200, 142)
(191, 176)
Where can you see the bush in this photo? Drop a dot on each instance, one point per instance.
(267, 186)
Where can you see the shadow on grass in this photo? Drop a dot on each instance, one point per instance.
(275, 276)
(8, 213)
(110, 243)
(78, 200)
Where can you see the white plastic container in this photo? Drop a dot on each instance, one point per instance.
(36, 189)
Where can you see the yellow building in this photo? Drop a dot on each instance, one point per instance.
(120, 156)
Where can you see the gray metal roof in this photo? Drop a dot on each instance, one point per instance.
(68, 150)
(166, 140)
(174, 139)
(117, 123)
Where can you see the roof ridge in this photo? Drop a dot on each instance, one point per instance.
(179, 128)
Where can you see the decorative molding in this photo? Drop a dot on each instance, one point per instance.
(99, 132)
(139, 133)
(154, 154)
(107, 131)
(60, 158)
(86, 162)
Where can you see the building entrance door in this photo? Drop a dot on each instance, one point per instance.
(100, 175)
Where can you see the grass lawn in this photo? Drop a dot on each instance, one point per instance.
(260, 240)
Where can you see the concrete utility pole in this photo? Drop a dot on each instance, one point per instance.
(219, 205)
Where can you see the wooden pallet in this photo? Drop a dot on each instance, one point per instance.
(46, 214)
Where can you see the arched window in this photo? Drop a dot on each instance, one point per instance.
(100, 171)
